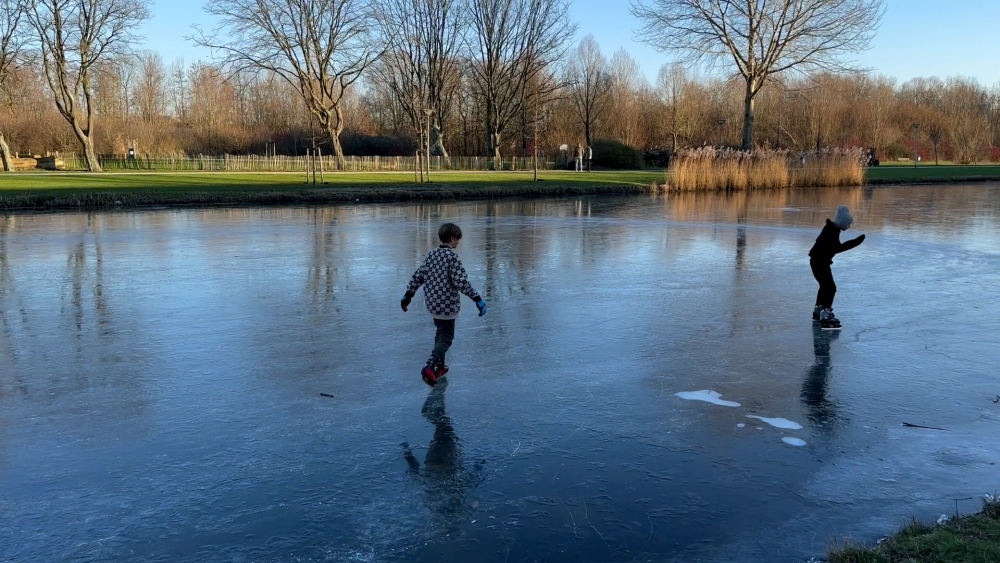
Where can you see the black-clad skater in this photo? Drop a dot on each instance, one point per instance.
(443, 277)
(821, 258)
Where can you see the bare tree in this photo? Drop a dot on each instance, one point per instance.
(511, 44)
(760, 38)
(12, 40)
(966, 103)
(179, 89)
(319, 46)
(589, 82)
(74, 37)
(674, 83)
(151, 87)
(420, 64)
(627, 83)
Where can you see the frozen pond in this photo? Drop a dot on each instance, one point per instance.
(161, 371)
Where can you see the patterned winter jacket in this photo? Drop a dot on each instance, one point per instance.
(443, 277)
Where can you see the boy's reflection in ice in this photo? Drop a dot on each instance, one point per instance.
(445, 479)
(822, 412)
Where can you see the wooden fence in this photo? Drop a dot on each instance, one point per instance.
(253, 163)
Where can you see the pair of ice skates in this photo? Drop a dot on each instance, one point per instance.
(431, 374)
(827, 321)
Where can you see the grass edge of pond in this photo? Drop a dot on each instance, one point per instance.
(128, 198)
(211, 189)
(974, 538)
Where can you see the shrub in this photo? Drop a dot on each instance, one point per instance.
(616, 155)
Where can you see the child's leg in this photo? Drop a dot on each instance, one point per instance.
(827, 288)
(442, 341)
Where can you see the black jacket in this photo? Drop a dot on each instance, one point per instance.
(828, 243)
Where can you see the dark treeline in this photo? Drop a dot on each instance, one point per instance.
(491, 88)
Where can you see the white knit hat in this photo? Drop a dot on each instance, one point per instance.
(843, 219)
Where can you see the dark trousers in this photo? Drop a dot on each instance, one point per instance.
(442, 340)
(827, 287)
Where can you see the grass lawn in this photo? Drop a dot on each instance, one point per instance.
(60, 183)
(50, 190)
(53, 190)
(969, 539)
(931, 173)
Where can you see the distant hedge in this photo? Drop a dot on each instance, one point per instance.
(616, 156)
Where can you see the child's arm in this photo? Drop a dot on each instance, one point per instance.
(461, 281)
(411, 288)
(853, 243)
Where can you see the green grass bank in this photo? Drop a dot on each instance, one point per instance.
(61, 190)
(73, 190)
(966, 539)
(929, 173)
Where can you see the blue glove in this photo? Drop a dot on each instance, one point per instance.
(405, 301)
(481, 305)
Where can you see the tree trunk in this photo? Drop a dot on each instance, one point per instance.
(93, 164)
(338, 150)
(331, 121)
(437, 147)
(748, 115)
(495, 144)
(8, 164)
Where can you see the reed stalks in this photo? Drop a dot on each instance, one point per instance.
(712, 169)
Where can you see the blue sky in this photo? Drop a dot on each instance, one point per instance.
(917, 37)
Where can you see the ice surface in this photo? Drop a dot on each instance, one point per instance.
(708, 397)
(161, 371)
(793, 441)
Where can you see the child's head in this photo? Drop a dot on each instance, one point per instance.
(450, 234)
(843, 219)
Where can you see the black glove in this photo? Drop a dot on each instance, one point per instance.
(405, 301)
(860, 239)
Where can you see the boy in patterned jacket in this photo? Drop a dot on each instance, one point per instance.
(443, 277)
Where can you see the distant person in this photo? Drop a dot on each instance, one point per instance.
(579, 157)
(590, 158)
(821, 258)
(443, 277)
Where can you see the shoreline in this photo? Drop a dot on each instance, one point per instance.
(134, 199)
(973, 538)
(180, 194)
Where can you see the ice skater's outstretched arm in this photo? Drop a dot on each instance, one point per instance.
(461, 281)
(417, 280)
(845, 246)
(411, 288)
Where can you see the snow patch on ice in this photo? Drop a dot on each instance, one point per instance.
(708, 397)
(783, 423)
(741, 425)
(793, 441)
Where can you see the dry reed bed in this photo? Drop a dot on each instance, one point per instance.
(711, 169)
